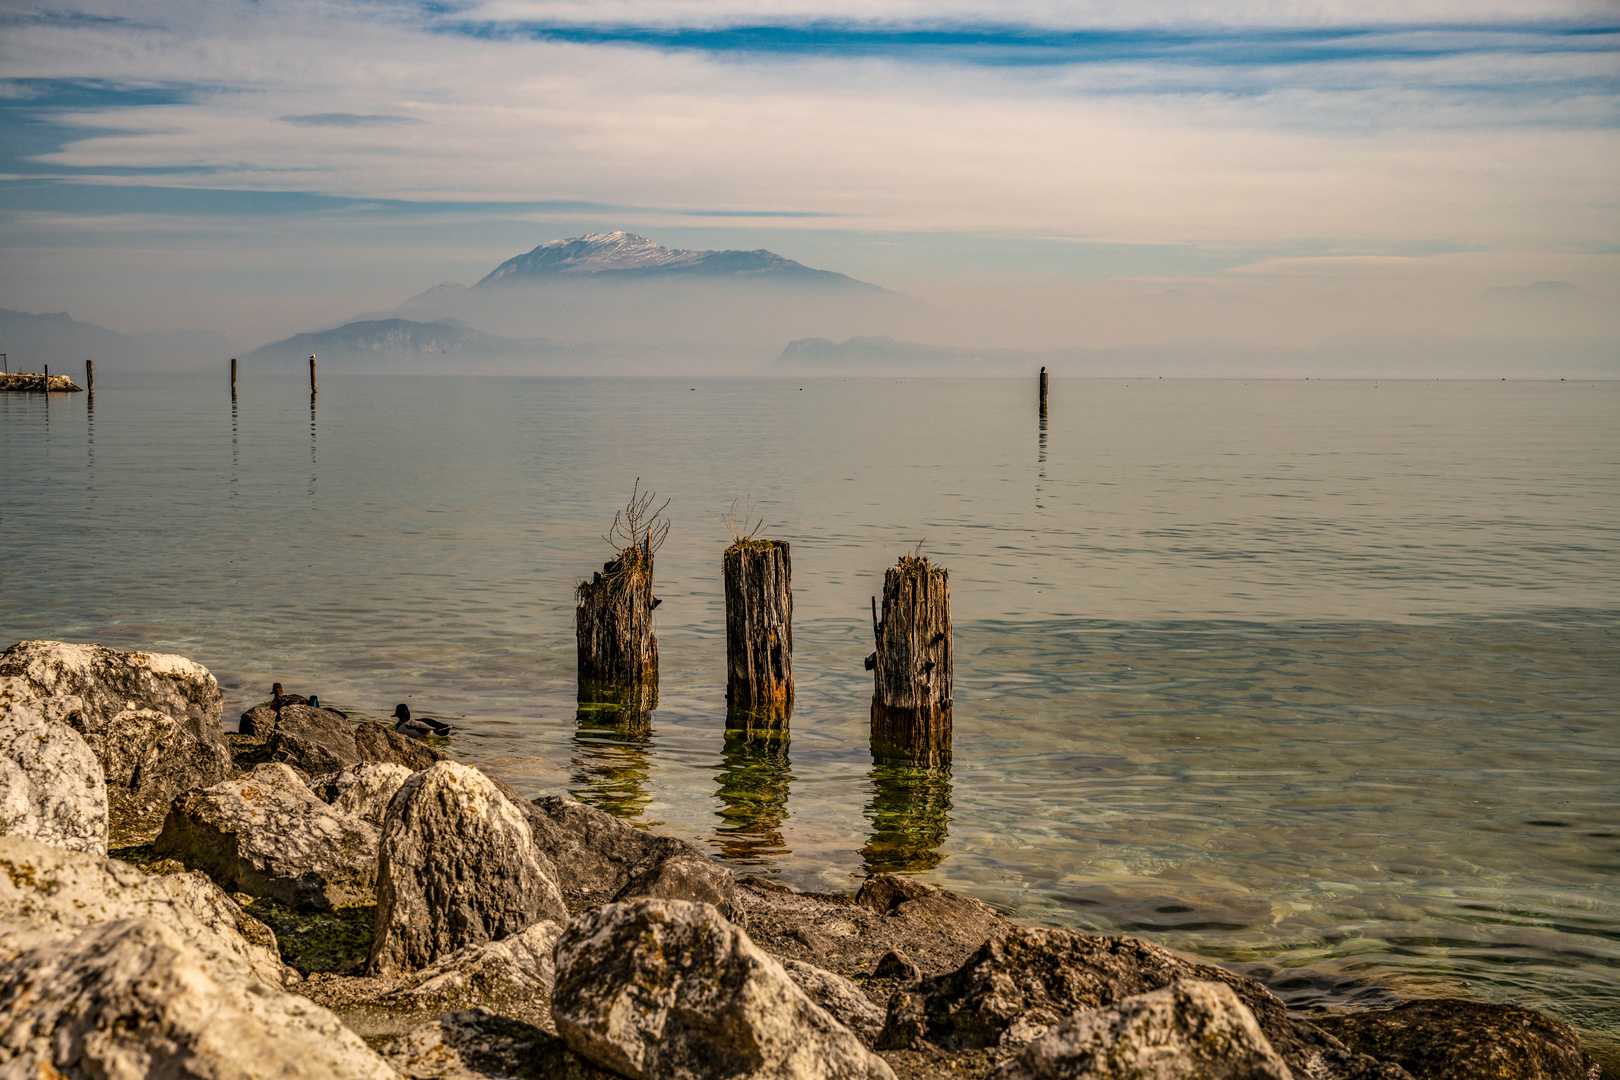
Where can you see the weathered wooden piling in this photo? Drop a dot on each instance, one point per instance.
(759, 626)
(90, 375)
(1043, 391)
(233, 378)
(312, 376)
(912, 667)
(613, 610)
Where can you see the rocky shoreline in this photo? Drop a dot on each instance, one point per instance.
(317, 898)
(34, 382)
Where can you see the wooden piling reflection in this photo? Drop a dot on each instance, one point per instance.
(909, 814)
(755, 777)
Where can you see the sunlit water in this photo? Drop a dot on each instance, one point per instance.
(1320, 679)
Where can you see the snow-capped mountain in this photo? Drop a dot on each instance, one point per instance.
(626, 255)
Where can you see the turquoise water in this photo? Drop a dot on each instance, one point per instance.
(1320, 679)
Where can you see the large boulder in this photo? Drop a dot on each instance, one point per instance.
(1025, 981)
(314, 740)
(1190, 1030)
(46, 887)
(380, 743)
(458, 867)
(476, 1044)
(840, 997)
(363, 791)
(667, 988)
(599, 858)
(152, 719)
(134, 998)
(1452, 1039)
(268, 835)
(514, 976)
(51, 786)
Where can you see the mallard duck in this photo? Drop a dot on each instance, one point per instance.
(278, 699)
(418, 727)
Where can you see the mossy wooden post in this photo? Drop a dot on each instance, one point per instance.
(759, 627)
(911, 700)
(613, 621)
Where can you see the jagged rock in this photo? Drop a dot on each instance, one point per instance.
(515, 975)
(599, 858)
(458, 867)
(48, 887)
(475, 1044)
(51, 787)
(892, 965)
(363, 791)
(314, 740)
(667, 988)
(840, 997)
(258, 721)
(152, 719)
(133, 998)
(269, 835)
(382, 744)
(1024, 982)
(1190, 1030)
(1451, 1039)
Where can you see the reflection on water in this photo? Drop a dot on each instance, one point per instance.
(755, 776)
(612, 737)
(909, 812)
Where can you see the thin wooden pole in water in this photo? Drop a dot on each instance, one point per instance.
(1043, 391)
(759, 627)
(312, 376)
(90, 375)
(233, 378)
(912, 667)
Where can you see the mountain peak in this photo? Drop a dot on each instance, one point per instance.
(626, 255)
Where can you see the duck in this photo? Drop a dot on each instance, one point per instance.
(419, 727)
(315, 703)
(278, 699)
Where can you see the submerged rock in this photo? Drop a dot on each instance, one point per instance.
(380, 743)
(600, 858)
(363, 791)
(667, 988)
(45, 887)
(268, 835)
(152, 720)
(475, 1043)
(51, 786)
(458, 867)
(133, 998)
(1450, 1039)
(1190, 1030)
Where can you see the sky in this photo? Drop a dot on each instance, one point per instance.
(1085, 174)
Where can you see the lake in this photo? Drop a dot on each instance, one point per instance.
(1317, 679)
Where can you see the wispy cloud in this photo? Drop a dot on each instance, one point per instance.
(349, 120)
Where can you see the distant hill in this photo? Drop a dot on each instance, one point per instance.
(404, 345)
(32, 341)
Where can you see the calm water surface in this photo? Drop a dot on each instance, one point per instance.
(1318, 679)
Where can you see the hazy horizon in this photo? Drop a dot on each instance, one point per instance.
(1358, 188)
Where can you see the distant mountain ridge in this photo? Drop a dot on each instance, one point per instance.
(623, 255)
(401, 339)
(32, 341)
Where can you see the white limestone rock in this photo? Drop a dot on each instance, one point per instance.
(840, 997)
(476, 1044)
(458, 867)
(1190, 1030)
(268, 835)
(132, 998)
(514, 975)
(363, 791)
(51, 786)
(669, 988)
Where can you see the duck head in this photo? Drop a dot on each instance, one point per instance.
(275, 691)
(402, 713)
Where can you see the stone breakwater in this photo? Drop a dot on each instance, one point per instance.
(316, 898)
(38, 384)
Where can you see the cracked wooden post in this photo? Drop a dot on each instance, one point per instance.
(759, 629)
(911, 700)
(618, 654)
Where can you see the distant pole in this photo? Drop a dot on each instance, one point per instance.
(3, 366)
(1043, 391)
(90, 375)
(233, 378)
(47, 371)
(312, 376)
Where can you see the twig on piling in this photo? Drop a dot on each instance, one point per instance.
(742, 532)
